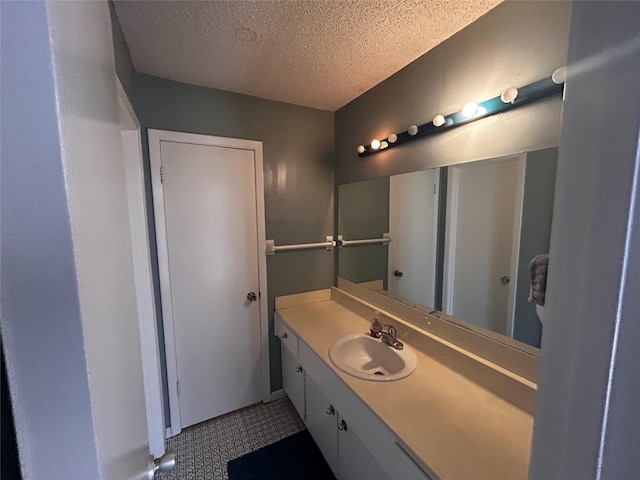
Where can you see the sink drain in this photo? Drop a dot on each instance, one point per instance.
(378, 373)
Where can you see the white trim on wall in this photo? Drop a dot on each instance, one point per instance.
(155, 137)
(450, 242)
(278, 394)
(147, 324)
(515, 246)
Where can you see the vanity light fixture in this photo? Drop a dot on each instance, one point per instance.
(511, 97)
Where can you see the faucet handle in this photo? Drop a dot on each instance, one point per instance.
(391, 330)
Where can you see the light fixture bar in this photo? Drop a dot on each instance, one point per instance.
(471, 112)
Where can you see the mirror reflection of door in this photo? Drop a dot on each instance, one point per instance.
(484, 205)
(413, 228)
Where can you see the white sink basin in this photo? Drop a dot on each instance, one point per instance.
(363, 356)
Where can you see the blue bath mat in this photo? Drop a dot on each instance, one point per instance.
(293, 458)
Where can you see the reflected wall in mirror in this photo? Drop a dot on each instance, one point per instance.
(462, 238)
(406, 207)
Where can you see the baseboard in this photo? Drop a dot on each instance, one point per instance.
(277, 395)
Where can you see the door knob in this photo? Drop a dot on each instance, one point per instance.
(166, 463)
(251, 296)
(342, 426)
(504, 279)
(397, 273)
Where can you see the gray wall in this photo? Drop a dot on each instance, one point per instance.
(41, 321)
(587, 422)
(514, 44)
(296, 140)
(535, 234)
(124, 66)
(363, 212)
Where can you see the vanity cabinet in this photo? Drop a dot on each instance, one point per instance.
(293, 378)
(355, 461)
(347, 455)
(322, 423)
(293, 381)
(355, 443)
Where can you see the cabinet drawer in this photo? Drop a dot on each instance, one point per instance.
(288, 339)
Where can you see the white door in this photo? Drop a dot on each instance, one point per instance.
(211, 226)
(413, 225)
(483, 235)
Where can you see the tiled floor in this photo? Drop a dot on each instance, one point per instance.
(203, 450)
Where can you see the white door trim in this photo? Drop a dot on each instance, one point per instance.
(147, 326)
(155, 137)
(515, 248)
(450, 239)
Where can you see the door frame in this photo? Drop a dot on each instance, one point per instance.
(155, 138)
(147, 323)
(453, 188)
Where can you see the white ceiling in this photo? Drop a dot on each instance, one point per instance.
(320, 54)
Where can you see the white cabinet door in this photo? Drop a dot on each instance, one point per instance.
(355, 461)
(293, 381)
(322, 423)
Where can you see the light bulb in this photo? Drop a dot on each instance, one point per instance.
(413, 129)
(384, 144)
(481, 111)
(438, 120)
(509, 95)
(375, 144)
(360, 149)
(393, 138)
(470, 109)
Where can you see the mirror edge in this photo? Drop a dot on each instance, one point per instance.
(513, 356)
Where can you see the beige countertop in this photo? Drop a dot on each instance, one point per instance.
(458, 428)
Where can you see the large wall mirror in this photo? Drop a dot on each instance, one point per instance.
(461, 240)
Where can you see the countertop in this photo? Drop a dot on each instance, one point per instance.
(461, 430)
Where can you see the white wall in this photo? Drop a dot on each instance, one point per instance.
(68, 299)
(587, 422)
(41, 324)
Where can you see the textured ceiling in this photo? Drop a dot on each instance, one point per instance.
(320, 54)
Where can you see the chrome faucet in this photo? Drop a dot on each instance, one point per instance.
(390, 337)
